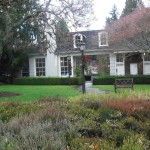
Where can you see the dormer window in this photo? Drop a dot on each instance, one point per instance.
(77, 38)
(103, 39)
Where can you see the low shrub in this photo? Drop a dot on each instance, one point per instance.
(34, 136)
(135, 142)
(39, 130)
(137, 108)
(146, 128)
(48, 81)
(110, 80)
(105, 113)
(91, 104)
(131, 123)
(77, 125)
(8, 110)
(119, 137)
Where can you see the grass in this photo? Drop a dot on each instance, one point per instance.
(33, 93)
(141, 87)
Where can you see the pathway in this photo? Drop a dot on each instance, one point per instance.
(89, 89)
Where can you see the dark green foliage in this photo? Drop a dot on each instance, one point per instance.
(78, 71)
(130, 6)
(48, 81)
(119, 136)
(16, 35)
(113, 15)
(105, 113)
(10, 63)
(109, 80)
(131, 124)
(62, 26)
(104, 81)
(146, 128)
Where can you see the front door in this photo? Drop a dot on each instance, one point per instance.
(146, 68)
(133, 69)
(120, 69)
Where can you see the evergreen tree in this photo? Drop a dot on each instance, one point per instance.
(62, 26)
(31, 23)
(131, 5)
(113, 15)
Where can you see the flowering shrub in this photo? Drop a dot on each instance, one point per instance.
(133, 28)
(59, 124)
(137, 108)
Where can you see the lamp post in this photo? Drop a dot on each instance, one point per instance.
(82, 48)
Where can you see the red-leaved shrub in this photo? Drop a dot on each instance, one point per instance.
(137, 108)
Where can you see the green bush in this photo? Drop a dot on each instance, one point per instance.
(40, 130)
(8, 110)
(91, 104)
(132, 124)
(109, 80)
(48, 81)
(105, 113)
(135, 142)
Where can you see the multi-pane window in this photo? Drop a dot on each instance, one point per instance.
(119, 58)
(40, 66)
(64, 64)
(147, 57)
(77, 39)
(103, 39)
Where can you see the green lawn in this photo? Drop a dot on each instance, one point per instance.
(139, 87)
(33, 93)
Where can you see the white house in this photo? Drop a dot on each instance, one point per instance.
(119, 60)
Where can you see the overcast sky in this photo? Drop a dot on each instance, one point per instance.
(102, 9)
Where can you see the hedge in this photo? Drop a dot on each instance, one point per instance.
(109, 80)
(48, 81)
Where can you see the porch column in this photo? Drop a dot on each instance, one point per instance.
(112, 64)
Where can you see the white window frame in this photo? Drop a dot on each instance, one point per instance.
(146, 63)
(100, 41)
(74, 39)
(42, 67)
(64, 67)
(121, 55)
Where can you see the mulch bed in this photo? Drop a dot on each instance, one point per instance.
(8, 94)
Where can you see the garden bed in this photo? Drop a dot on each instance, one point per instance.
(87, 123)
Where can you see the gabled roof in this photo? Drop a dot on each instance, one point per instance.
(36, 50)
(65, 42)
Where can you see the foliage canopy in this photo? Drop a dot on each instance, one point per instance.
(31, 23)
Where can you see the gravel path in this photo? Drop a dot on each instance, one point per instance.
(89, 89)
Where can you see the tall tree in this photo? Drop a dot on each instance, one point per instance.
(62, 26)
(132, 31)
(24, 22)
(27, 23)
(113, 15)
(131, 5)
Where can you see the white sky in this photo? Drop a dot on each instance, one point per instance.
(102, 9)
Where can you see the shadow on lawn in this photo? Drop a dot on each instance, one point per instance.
(8, 94)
